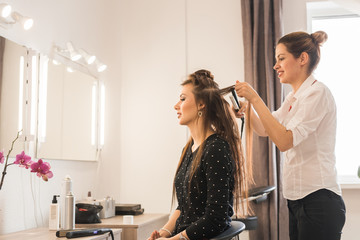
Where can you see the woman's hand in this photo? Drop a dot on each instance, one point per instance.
(154, 235)
(243, 89)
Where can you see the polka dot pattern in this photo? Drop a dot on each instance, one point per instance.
(206, 204)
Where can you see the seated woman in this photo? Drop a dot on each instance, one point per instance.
(211, 175)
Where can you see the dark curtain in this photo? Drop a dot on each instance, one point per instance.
(262, 27)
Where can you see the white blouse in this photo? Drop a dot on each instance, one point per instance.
(309, 165)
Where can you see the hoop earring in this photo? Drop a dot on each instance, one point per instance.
(199, 113)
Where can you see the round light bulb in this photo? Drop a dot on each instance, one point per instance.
(102, 68)
(28, 23)
(75, 56)
(91, 59)
(6, 11)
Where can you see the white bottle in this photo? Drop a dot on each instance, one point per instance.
(66, 187)
(54, 214)
(89, 198)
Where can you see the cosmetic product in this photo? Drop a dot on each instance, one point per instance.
(108, 210)
(69, 221)
(66, 187)
(89, 198)
(54, 214)
(128, 219)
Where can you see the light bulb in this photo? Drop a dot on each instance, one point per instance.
(90, 59)
(101, 67)
(5, 10)
(26, 22)
(74, 55)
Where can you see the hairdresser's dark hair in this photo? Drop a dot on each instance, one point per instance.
(299, 42)
(218, 116)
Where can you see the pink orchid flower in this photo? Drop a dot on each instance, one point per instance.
(42, 169)
(2, 159)
(23, 160)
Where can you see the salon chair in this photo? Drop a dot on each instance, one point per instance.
(258, 195)
(236, 228)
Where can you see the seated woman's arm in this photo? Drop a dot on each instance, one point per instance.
(167, 229)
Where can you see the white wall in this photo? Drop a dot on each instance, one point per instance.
(161, 42)
(351, 196)
(152, 46)
(149, 47)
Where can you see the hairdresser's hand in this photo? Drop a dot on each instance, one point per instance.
(241, 112)
(243, 89)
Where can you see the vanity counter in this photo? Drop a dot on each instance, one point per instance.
(141, 229)
(46, 234)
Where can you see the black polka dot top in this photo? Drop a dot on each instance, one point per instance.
(206, 206)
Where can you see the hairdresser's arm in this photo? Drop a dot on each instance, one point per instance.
(169, 226)
(282, 137)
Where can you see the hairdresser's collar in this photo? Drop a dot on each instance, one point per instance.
(307, 83)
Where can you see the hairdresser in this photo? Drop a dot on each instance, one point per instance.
(304, 128)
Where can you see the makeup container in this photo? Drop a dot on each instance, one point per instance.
(54, 214)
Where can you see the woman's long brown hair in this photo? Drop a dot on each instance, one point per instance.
(218, 116)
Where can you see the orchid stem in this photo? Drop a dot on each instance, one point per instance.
(7, 158)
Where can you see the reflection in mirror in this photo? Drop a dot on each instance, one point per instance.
(67, 113)
(13, 59)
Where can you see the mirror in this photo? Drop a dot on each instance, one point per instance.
(57, 109)
(12, 89)
(67, 113)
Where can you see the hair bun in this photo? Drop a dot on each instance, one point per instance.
(205, 73)
(319, 37)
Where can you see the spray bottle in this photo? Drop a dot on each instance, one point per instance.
(66, 187)
(69, 212)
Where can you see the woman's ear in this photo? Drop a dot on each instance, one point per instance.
(304, 58)
(201, 106)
